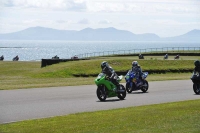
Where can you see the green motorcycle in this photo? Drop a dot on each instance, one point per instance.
(107, 89)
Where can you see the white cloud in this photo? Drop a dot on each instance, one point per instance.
(143, 8)
(111, 6)
(138, 16)
(84, 21)
(168, 22)
(65, 21)
(34, 21)
(105, 7)
(73, 5)
(105, 22)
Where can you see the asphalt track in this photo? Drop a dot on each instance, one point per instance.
(24, 104)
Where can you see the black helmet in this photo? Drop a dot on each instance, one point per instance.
(134, 63)
(197, 63)
(104, 64)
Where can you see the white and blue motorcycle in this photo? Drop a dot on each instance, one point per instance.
(134, 83)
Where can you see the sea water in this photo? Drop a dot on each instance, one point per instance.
(28, 50)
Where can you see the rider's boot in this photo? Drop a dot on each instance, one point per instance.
(117, 86)
(118, 90)
(140, 82)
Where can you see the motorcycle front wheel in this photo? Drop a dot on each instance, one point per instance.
(145, 86)
(128, 88)
(122, 95)
(196, 88)
(101, 93)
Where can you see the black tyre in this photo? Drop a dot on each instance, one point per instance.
(128, 88)
(122, 95)
(101, 93)
(196, 88)
(145, 86)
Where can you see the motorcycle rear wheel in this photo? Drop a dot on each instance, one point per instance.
(196, 88)
(122, 95)
(101, 93)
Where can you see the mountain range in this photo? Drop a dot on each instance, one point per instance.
(89, 34)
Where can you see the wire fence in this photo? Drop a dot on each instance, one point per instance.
(140, 51)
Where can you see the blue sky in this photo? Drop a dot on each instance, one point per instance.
(165, 18)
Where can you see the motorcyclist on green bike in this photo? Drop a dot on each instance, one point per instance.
(109, 71)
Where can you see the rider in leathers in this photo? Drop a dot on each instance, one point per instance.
(136, 69)
(109, 71)
(197, 68)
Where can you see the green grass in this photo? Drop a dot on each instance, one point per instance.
(9, 83)
(18, 75)
(177, 117)
(91, 67)
(85, 67)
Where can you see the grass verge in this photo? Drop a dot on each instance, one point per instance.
(22, 75)
(177, 117)
(9, 83)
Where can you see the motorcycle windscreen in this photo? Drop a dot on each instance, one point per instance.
(100, 75)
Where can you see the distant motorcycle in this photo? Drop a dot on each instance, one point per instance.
(141, 56)
(166, 57)
(133, 83)
(196, 82)
(55, 57)
(2, 58)
(106, 89)
(176, 57)
(16, 58)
